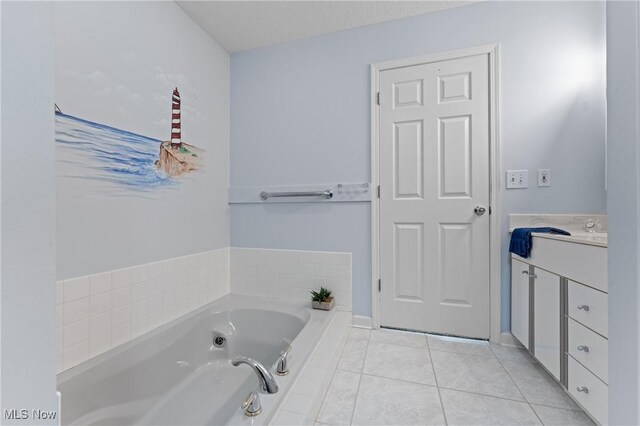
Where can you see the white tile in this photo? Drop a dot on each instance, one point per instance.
(100, 324)
(139, 273)
(139, 291)
(392, 402)
(59, 338)
(76, 354)
(120, 335)
(100, 303)
(353, 355)
(59, 362)
(100, 283)
(154, 303)
(472, 373)
(511, 353)
(155, 286)
(561, 417)
(313, 373)
(59, 292)
(121, 278)
(463, 408)
(59, 315)
(154, 270)
(76, 310)
(399, 362)
(120, 316)
(338, 404)
(455, 344)
(76, 288)
(139, 309)
(298, 403)
(403, 338)
(537, 386)
(120, 297)
(99, 344)
(139, 326)
(359, 333)
(76, 333)
(307, 387)
(154, 319)
(287, 418)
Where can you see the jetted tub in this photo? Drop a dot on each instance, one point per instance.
(175, 375)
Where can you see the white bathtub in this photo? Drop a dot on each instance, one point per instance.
(174, 375)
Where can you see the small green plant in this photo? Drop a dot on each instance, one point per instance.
(321, 296)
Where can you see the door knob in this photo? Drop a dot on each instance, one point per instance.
(479, 210)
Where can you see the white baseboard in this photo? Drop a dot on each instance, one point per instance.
(361, 321)
(507, 339)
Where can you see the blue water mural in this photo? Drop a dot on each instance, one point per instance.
(122, 162)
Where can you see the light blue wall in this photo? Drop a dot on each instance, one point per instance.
(27, 208)
(300, 115)
(623, 198)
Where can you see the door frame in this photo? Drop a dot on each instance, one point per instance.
(495, 171)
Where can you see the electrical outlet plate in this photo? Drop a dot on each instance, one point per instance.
(517, 179)
(544, 177)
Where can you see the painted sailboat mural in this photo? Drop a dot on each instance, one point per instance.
(123, 163)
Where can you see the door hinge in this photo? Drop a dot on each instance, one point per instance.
(378, 191)
(489, 209)
(378, 97)
(379, 284)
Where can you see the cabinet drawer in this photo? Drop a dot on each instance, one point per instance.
(593, 352)
(579, 262)
(593, 307)
(595, 395)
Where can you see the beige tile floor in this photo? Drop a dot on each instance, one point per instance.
(387, 377)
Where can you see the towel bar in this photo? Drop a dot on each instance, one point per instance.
(327, 194)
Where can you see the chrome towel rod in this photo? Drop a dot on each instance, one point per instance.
(327, 194)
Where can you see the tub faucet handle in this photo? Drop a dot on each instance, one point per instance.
(283, 365)
(251, 405)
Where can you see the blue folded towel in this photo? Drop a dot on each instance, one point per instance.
(521, 239)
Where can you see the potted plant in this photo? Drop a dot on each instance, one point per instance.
(322, 299)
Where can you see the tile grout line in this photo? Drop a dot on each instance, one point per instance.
(519, 390)
(433, 369)
(332, 377)
(355, 402)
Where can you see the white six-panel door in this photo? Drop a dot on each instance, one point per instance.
(434, 178)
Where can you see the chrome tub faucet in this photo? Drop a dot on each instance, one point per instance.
(265, 379)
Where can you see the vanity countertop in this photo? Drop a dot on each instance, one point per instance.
(590, 238)
(573, 223)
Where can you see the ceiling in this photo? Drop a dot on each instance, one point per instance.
(242, 25)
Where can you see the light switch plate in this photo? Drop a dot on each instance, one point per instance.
(517, 179)
(544, 177)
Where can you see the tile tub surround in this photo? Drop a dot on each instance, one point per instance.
(447, 381)
(98, 312)
(291, 274)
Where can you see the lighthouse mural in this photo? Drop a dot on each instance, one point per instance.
(175, 120)
(176, 157)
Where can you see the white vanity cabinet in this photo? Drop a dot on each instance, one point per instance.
(559, 313)
(520, 301)
(546, 320)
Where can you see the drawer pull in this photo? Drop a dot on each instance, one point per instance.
(583, 348)
(583, 308)
(582, 389)
(525, 272)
